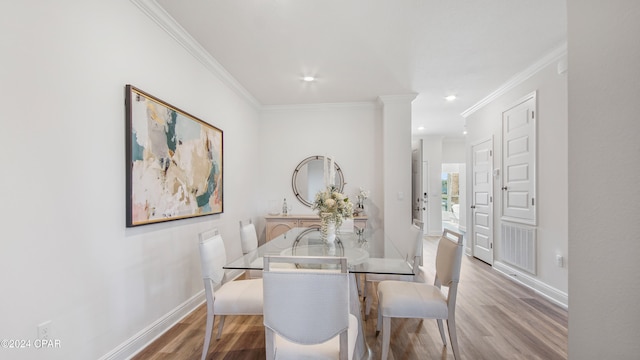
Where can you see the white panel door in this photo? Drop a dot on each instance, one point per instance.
(518, 162)
(425, 195)
(482, 201)
(417, 209)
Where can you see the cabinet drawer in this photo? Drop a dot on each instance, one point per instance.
(310, 223)
(275, 229)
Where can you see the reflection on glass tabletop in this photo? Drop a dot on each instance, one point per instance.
(357, 248)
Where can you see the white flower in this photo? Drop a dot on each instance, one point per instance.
(330, 203)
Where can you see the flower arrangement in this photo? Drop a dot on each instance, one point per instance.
(361, 195)
(333, 205)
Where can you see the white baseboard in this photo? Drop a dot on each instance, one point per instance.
(147, 335)
(551, 293)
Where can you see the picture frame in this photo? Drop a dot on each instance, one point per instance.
(173, 162)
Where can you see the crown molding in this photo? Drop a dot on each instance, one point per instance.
(160, 16)
(519, 78)
(400, 98)
(321, 106)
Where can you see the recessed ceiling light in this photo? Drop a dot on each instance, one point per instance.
(450, 98)
(308, 78)
(420, 128)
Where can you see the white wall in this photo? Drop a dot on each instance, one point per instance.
(396, 169)
(552, 177)
(453, 150)
(350, 133)
(66, 254)
(604, 171)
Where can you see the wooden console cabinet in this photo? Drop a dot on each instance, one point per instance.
(279, 224)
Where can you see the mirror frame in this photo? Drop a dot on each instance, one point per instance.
(339, 185)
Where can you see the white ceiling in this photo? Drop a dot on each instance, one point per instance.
(362, 49)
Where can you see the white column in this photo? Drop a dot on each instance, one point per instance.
(396, 165)
(604, 169)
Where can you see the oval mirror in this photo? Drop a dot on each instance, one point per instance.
(308, 179)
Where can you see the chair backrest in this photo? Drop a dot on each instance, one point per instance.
(449, 258)
(410, 248)
(346, 226)
(304, 306)
(212, 258)
(248, 237)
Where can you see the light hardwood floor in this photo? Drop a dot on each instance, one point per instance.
(496, 319)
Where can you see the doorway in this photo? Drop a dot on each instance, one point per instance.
(453, 194)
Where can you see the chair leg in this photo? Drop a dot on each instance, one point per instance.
(441, 328)
(379, 323)
(451, 325)
(207, 336)
(220, 325)
(367, 305)
(269, 343)
(365, 288)
(386, 337)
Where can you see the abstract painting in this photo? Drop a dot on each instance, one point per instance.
(174, 162)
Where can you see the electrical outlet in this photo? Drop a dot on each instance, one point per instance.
(559, 260)
(44, 330)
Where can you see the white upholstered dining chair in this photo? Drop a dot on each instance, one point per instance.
(306, 312)
(249, 242)
(401, 299)
(413, 256)
(241, 297)
(248, 236)
(347, 226)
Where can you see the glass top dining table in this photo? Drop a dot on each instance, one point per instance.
(365, 253)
